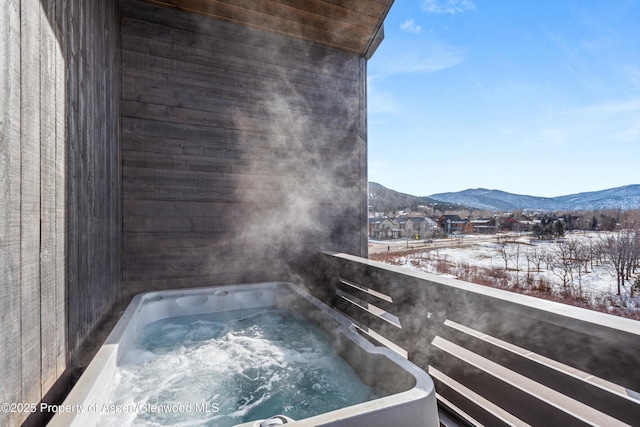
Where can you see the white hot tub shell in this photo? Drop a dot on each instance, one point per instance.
(409, 399)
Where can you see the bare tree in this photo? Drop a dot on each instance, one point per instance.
(563, 265)
(536, 257)
(593, 254)
(620, 251)
(583, 256)
(505, 254)
(548, 259)
(516, 255)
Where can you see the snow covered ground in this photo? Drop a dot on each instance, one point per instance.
(530, 265)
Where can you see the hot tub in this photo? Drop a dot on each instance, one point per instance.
(400, 393)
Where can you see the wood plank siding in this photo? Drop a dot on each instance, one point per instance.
(94, 188)
(59, 183)
(147, 147)
(243, 151)
(350, 25)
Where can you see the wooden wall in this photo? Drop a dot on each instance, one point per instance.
(243, 151)
(60, 215)
(94, 187)
(211, 154)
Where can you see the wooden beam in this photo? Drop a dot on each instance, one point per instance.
(324, 23)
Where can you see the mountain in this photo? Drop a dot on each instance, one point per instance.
(382, 199)
(626, 197)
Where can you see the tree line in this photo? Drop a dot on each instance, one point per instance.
(617, 250)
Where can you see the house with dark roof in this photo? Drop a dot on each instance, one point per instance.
(480, 226)
(451, 224)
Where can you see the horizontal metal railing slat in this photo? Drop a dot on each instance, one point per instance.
(488, 406)
(553, 398)
(560, 367)
(595, 392)
(523, 361)
(370, 291)
(370, 308)
(375, 336)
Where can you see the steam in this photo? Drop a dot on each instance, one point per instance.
(308, 178)
(245, 159)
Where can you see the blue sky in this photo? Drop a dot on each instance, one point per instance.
(537, 97)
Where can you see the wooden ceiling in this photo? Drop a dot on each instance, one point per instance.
(351, 25)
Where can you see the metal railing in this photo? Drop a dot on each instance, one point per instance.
(497, 358)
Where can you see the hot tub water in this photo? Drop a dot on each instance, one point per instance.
(231, 367)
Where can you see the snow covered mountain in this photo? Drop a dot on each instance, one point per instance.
(382, 199)
(626, 197)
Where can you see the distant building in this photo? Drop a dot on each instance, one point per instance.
(451, 224)
(420, 227)
(384, 228)
(414, 227)
(480, 226)
(375, 228)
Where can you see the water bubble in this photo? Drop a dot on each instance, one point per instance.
(244, 361)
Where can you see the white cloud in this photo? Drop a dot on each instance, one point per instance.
(612, 107)
(427, 58)
(381, 102)
(447, 6)
(410, 26)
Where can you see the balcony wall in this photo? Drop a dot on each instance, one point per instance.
(59, 187)
(497, 358)
(243, 151)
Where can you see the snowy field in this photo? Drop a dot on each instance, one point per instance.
(519, 262)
